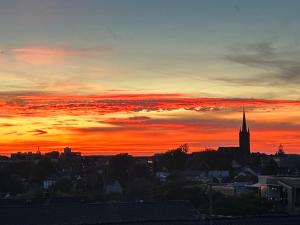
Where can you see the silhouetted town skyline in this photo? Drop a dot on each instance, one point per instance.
(243, 149)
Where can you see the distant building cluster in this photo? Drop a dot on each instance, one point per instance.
(54, 154)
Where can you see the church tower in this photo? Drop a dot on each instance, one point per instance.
(244, 137)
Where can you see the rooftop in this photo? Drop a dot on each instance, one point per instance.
(98, 213)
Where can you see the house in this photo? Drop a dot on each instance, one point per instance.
(217, 175)
(194, 175)
(48, 183)
(285, 190)
(233, 189)
(113, 187)
(246, 174)
(162, 176)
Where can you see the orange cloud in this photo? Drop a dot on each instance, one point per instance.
(51, 55)
(38, 132)
(44, 104)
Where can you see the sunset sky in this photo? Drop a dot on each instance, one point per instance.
(112, 76)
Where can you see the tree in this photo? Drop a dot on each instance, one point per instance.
(177, 191)
(11, 183)
(140, 170)
(139, 188)
(280, 152)
(44, 169)
(64, 185)
(119, 166)
(94, 181)
(176, 159)
(269, 168)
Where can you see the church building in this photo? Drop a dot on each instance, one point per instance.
(244, 137)
(244, 140)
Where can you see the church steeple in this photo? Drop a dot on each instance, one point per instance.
(244, 137)
(244, 125)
